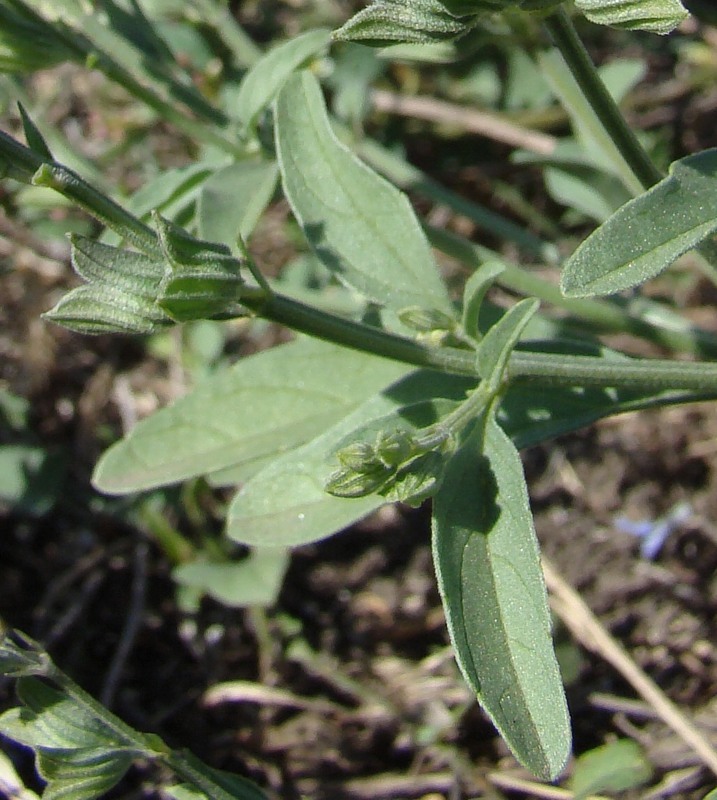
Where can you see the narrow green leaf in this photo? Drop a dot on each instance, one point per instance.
(233, 199)
(614, 767)
(360, 226)
(261, 84)
(489, 575)
(500, 341)
(599, 149)
(592, 192)
(35, 140)
(656, 16)
(171, 191)
(475, 291)
(263, 406)
(286, 503)
(649, 233)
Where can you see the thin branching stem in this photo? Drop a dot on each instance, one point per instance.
(566, 39)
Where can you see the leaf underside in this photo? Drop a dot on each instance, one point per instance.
(489, 575)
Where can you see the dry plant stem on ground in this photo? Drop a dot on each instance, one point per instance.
(586, 628)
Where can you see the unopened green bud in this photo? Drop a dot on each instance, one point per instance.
(20, 656)
(358, 456)
(204, 280)
(394, 447)
(348, 483)
(425, 320)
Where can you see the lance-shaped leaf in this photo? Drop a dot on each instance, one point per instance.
(488, 569)
(360, 226)
(245, 416)
(500, 341)
(649, 233)
(34, 138)
(388, 22)
(121, 293)
(657, 16)
(261, 84)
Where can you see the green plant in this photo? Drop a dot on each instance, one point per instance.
(409, 395)
(82, 749)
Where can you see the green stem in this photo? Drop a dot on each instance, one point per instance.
(69, 184)
(547, 369)
(667, 329)
(145, 744)
(543, 368)
(85, 50)
(566, 39)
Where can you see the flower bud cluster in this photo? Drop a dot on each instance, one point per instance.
(399, 465)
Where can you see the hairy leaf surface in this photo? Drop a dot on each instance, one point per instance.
(360, 226)
(649, 233)
(657, 16)
(233, 199)
(264, 405)
(489, 575)
(287, 504)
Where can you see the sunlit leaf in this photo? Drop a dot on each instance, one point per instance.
(489, 575)
(649, 233)
(360, 226)
(258, 409)
(233, 199)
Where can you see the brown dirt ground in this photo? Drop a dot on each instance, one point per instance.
(376, 707)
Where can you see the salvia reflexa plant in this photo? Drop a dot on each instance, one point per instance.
(413, 391)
